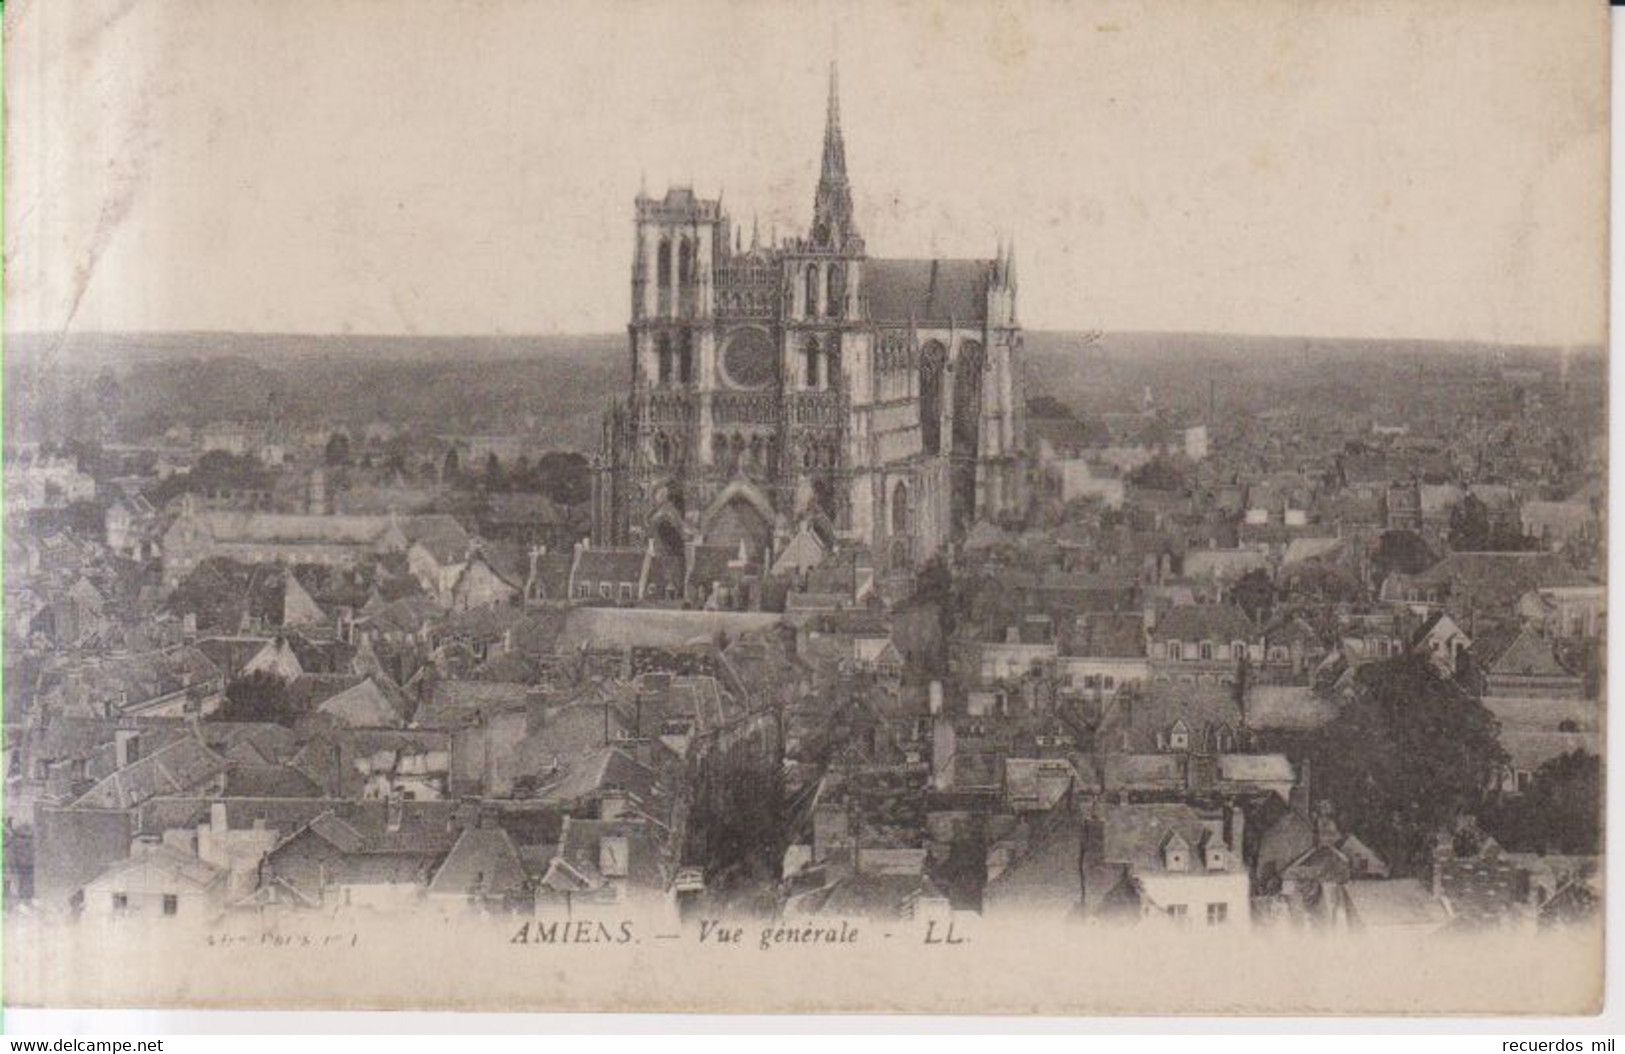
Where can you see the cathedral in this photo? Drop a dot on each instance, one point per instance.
(806, 388)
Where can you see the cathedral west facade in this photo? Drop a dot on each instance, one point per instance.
(808, 386)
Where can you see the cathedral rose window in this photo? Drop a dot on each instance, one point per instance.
(750, 359)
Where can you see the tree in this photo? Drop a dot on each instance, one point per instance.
(1401, 552)
(338, 449)
(1561, 812)
(1047, 406)
(495, 480)
(1160, 473)
(565, 477)
(1254, 593)
(1407, 756)
(258, 696)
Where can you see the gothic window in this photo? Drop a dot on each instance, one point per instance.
(756, 452)
(810, 355)
(933, 357)
(685, 275)
(967, 425)
(685, 358)
(832, 364)
(837, 291)
(812, 290)
(663, 352)
(738, 454)
(899, 508)
(663, 275)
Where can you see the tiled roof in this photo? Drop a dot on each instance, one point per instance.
(484, 859)
(1106, 636)
(182, 766)
(440, 534)
(1287, 708)
(366, 705)
(1199, 622)
(1136, 834)
(453, 703)
(1528, 655)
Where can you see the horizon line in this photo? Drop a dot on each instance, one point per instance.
(1600, 345)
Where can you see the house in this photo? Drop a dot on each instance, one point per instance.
(803, 552)
(1536, 730)
(604, 865)
(438, 552)
(1308, 860)
(1224, 566)
(183, 766)
(1011, 651)
(1395, 905)
(1520, 661)
(1557, 523)
(253, 537)
(368, 704)
(1442, 642)
(157, 883)
(130, 526)
(1203, 643)
(1571, 612)
(1103, 652)
(1183, 864)
(1482, 583)
(607, 575)
(376, 854)
(484, 871)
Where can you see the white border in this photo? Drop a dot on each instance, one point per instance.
(180, 1022)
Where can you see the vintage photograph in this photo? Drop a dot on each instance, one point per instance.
(1010, 507)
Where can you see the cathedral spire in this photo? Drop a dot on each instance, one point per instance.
(832, 207)
(834, 145)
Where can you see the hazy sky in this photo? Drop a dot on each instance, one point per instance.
(1418, 169)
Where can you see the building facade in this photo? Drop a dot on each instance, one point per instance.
(807, 384)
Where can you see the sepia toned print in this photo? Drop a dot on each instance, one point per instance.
(1106, 513)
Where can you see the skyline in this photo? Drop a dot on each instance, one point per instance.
(321, 190)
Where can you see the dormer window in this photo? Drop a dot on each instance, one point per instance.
(1179, 737)
(1207, 651)
(1176, 854)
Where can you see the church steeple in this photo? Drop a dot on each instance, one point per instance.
(834, 145)
(832, 206)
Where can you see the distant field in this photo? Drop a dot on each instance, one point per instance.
(556, 387)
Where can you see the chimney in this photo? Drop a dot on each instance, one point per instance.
(1326, 832)
(126, 747)
(611, 804)
(1300, 797)
(1236, 830)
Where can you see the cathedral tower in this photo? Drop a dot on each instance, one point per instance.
(809, 387)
